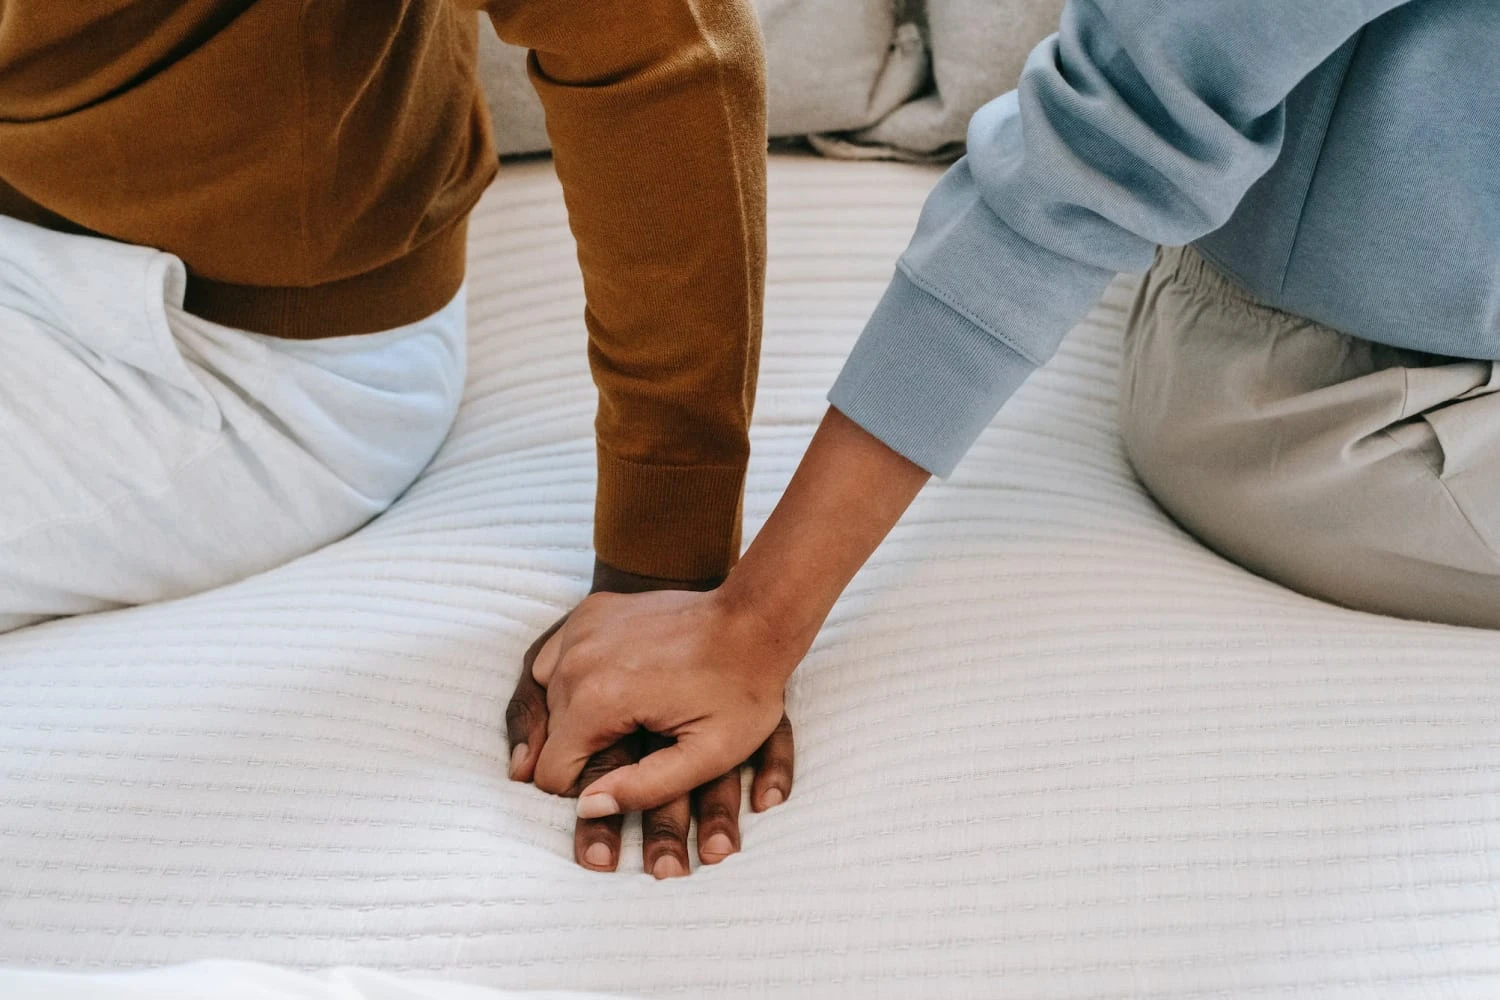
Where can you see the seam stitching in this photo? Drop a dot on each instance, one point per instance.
(1291, 250)
(737, 166)
(948, 300)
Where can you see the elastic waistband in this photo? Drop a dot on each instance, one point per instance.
(1191, 267)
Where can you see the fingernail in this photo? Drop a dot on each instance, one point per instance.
(517, 758)
(597, 805)
(717, 847)
(599, 855)
(668, 866)
(771, 797)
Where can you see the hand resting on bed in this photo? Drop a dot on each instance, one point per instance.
(715, 804)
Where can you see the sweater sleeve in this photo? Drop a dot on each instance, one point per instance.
(656, 112)
(1137, 124)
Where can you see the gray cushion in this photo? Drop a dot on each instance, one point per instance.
(890, 78)
(978, 48)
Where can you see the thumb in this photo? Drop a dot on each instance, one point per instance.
(655, 780)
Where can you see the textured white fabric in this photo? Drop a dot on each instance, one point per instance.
(251, 981)
(1048, 746)
(147, 453)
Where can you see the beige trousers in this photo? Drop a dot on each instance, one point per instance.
(1358, 473)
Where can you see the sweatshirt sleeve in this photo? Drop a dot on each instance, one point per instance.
(1140, 123)
(656, 112)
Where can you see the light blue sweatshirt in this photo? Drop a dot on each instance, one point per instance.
(1340, 159)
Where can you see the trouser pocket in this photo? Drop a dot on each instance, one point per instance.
(1351, 471)
(1468, 432)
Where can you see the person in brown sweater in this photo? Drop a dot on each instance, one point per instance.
(212, 211)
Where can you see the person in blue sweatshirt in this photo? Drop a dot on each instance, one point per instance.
(1309, 381)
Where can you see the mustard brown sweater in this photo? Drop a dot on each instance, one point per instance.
(313, 162)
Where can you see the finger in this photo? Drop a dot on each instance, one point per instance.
(571, 740)
(665, 833)
(548, 649)
(596, 842)
(526, 715)
(716, 806)
(656, 780)
(774, 765)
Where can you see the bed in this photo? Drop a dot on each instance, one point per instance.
(1049, 746)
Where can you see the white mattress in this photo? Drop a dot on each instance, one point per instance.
(1048, 746)
(231, 980)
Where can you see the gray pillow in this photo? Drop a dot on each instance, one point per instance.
(870, 77)
(978, 48)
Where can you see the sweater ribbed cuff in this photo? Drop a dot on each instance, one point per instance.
(676, 522)
(924, 379)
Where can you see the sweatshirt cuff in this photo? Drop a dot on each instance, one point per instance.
(925, 379)
(675, 522)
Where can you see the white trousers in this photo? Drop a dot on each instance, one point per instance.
(147, 454)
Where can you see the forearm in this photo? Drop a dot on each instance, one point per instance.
(1137, 124)
(845, 497)
(656, 111)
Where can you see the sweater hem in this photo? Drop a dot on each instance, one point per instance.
(403, 291)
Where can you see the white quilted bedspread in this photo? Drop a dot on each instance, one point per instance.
(1048, 746)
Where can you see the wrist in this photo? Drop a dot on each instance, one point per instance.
(788, 614)
(612, 580)
(778, 645)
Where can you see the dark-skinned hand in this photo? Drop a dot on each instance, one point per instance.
(715, 805)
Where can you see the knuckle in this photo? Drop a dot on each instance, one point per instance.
(600, 688)
(715, 748)
(549, 780)
(777, 748)
(600, 764)
(599, 831)
(716, 813)
(777, 767)
(616, 756)
(591, 773)
(780, 748)
(574, 662)
(721, 790)
(522, 714)
(587, 609)
(657, 825)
